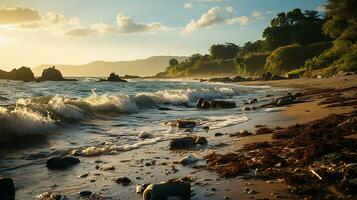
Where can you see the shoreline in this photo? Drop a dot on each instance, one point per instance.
(206, 184)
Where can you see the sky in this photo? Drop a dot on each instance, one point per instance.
(34, 32)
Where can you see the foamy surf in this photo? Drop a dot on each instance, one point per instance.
(109, 149)
(43, 114)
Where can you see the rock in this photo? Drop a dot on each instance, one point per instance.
(85, 193)
(115, 78)
(284, 101)
(163, 191)
(144, 135)
(201, 140)
(218, 134)
(125, 181)
(7, 189)
(130, 77)
(186, 142)
(184, 124)
(206, 104)
(188, 160)
(52, 74)
(61, 163)
(251, 101)
(23, 74)
(293, 76)
(248, 108)
(139, 189)
(50, 196)
(182, 143)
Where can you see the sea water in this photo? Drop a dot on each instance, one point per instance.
(89, 118)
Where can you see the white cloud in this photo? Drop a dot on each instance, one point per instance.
(127, 25)
(258, 15)
(208, 19)
(58, 18)
(188, 5)
(230, 9)
(18, 15)
(242, 20)
(124, 24)
(217, 15)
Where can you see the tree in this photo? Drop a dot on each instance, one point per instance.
(173, 62)
(224, 51)
(294, 27)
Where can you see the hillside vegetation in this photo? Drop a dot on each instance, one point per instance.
(295, 42)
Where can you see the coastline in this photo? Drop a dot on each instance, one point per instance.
(206, 184)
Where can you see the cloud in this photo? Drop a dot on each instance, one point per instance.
(58, 18)
(18, 15)
(188, 5)
(242, 20)
(258, 15)
(208, 19)
(80, 32)
(216, 15)
(124, 24)
(127, 25)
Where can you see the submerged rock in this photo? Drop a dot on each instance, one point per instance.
(163, 191)
(7, 189)
(113, 78)
(61, 163)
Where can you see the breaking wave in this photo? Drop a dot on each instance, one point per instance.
(42, 114)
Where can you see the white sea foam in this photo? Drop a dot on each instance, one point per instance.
(109, 149)
(22, 121)
(106, 103)
(224, 121)
(185, 95)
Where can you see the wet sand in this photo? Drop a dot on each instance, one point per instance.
(206, 184)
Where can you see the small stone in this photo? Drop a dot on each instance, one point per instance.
(124, 181)
(218, 134)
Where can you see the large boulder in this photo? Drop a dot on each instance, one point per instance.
(23, 73)
(53, 74)
(7, 189)
(206, 104)
(61, 163)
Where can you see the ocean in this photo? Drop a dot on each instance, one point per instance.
(90, 119)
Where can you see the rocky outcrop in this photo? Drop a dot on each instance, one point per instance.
(23, 74)
(130, 77)
(7, 189)
(206, 104)
(113, 78)
(52, 74)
